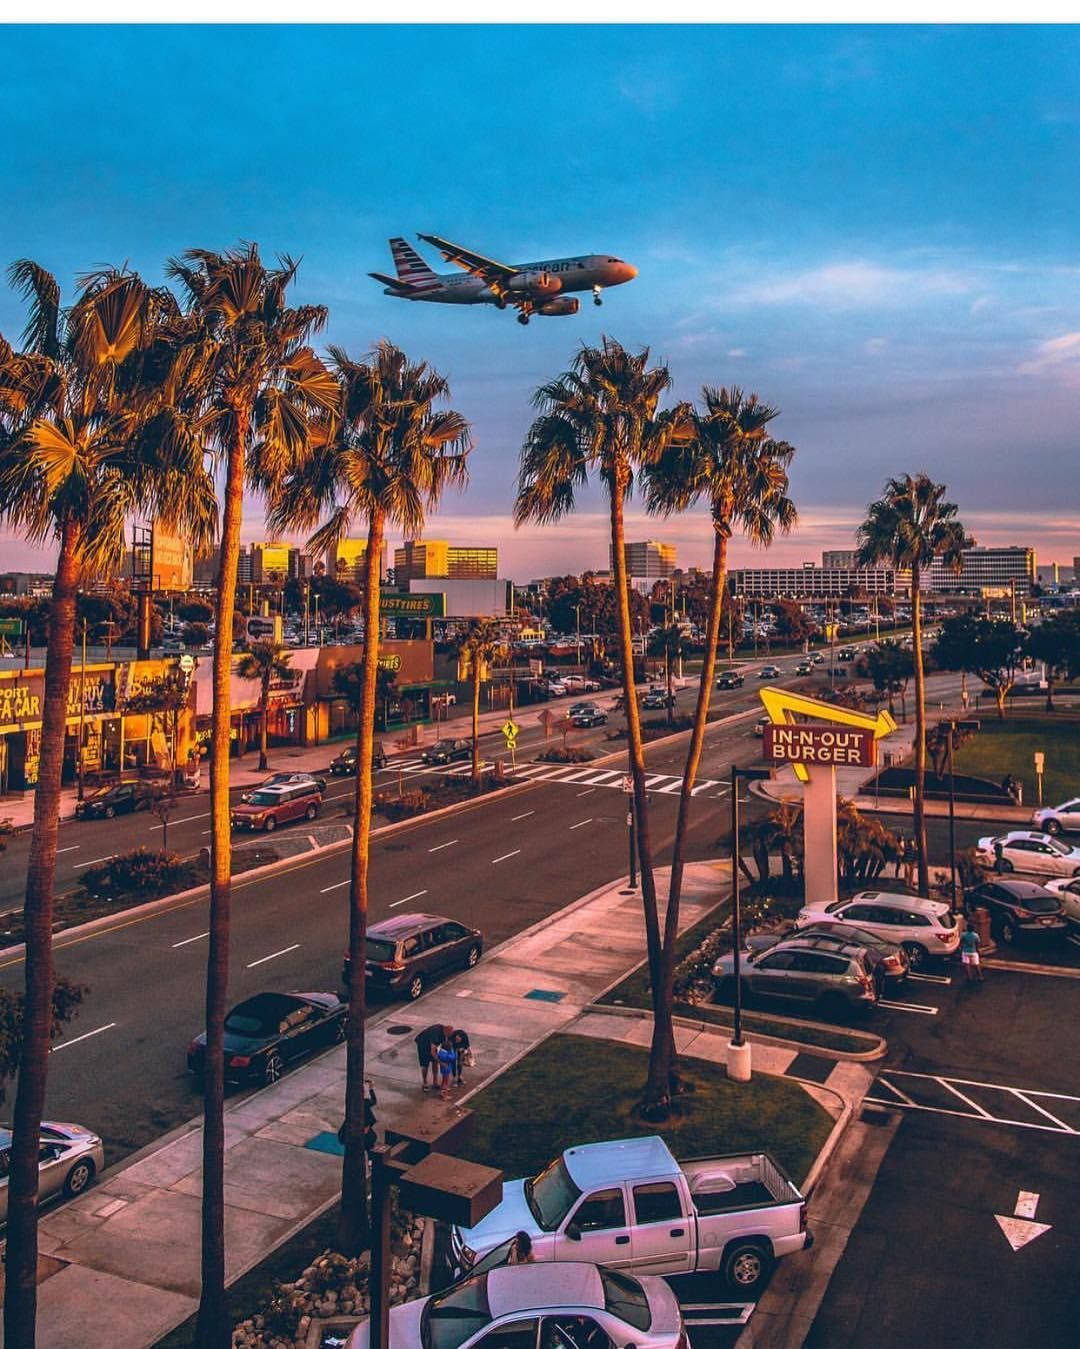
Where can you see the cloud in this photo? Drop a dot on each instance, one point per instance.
(983, 302)
(876, 345)
(856, 284)
(1058, 357)
(736, 352)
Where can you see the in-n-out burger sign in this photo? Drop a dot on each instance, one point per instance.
(831, 746)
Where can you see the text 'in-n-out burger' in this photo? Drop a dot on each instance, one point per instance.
(830, 746)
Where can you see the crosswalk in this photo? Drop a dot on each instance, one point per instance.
(571, 775)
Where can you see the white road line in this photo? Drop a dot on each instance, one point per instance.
(884, 1081)
(74, 848)
(701, 786)
(440, 846)
(522, 817)
(1027, 1203)
(587, 792)
(964, 1114)
(998, 1086)
(931, 978)
(908, 1007)
(186, 820)
(1066, 1128)
(672, 787)
(65, 1044)
(966, 1099)
(336, 886)
(605, 776)
(94, 860)
(274, 955)
(406, 899)
(654, 778)
(505, 855)
(582, 823)
(188, 940)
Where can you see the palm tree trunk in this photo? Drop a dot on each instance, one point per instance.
(1049, 690)
(213, 1323)
(635, 752)
(662, 1052)
(20, 1290)
(354, 1232)
(264, 728)
(919, 812)
(476, 716)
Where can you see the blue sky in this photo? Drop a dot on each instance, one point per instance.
(873, 228)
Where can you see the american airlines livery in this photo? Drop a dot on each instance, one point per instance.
(531, 287)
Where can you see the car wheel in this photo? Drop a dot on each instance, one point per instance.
(1008, 933)
(916, 954)
(110, 812)
(272, 1068)
(472, 957)
(1052, 826)
(270, 825)
(416, 986)
(746, 1267)
(79, 1177)
(311, 812)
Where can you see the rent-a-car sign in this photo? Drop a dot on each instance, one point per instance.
(832, 746)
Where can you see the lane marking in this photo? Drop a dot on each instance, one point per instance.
(1065, 1128)
(336, 886)
(587, 792)
(1027, 1201)
(581, 823)
(505, 856)
(997, 1086)
(439, 847)
(406, 899)
(283, 952)
(65, 1044)
(966, 1099)
(94, 860)
(188, 940)
(186, 820)
(522, 817)
(909, 1007)
(73, 848)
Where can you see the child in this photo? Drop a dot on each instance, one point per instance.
(969, 955)
(447, 1060)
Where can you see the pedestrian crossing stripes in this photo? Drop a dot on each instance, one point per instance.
(577, 775)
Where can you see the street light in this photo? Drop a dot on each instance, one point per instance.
(738, 1059)
(577, 641)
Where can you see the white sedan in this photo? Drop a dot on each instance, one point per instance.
(570, 1305)
(1029, 851)
(1068, 891)
(1056, 818)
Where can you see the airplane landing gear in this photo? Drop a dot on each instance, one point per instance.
(596, 295)
(523, 318)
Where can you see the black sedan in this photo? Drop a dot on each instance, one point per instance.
(730, 679)
(268, 1031)
(590, 716)
(446, 751)
(344, 764)
(119, 799)
(652, 701)
(1019, 909)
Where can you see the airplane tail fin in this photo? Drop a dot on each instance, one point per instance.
(410, 266)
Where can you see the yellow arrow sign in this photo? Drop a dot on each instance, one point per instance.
(784, 706)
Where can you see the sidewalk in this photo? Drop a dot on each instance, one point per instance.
(132, 1240)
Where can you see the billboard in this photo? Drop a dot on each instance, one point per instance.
(170, 560)
(829, 746)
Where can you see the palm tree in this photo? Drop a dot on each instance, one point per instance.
(391, 456)
(669, 642)
(481, 645)
(265, 661)
(731, 462)
(909, 526)
(251, 388)
(75, 461)
(602, 416)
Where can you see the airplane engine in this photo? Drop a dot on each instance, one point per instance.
(567, 304)
(536, 283)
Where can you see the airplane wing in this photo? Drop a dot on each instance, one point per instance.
(496, 274)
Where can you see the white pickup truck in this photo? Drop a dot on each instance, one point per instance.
(630, 1205)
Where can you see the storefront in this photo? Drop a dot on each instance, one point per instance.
(403, 702)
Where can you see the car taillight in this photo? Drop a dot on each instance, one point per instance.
(944, 936)
(239, 1061)
(394, 965)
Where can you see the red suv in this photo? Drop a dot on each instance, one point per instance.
(268, 807)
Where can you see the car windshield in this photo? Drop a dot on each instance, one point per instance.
(453, 1317)
(263, 798)
(443, 745)
(624, 1297)
(551, 1194)
(380, 950)
(1040, 904)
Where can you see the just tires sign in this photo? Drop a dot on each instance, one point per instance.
(832, 746)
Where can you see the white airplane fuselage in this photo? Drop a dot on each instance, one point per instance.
(590, 272)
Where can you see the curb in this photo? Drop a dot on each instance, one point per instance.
(847, 1114)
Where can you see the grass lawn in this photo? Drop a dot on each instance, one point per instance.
(573, 1090)
(1009, 746)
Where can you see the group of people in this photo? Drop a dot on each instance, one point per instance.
(445, 1052)
(907, 859)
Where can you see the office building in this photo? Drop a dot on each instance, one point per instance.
(984, 569)
(269, 562)
(812, 582)
(839, 557)
(345, 560)
(647, 560)
(417, 559)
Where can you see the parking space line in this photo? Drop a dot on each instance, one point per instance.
(505, 856)
(581, 823)
(931, 978)
(440, 846)
(966, 1099)
(188, 940)
(1060, 1123)
(515, 818)
(922, 1008)
(884, 1082)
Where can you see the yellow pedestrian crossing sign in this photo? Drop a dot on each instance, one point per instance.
(510, 731)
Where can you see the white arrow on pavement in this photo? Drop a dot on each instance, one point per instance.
(1019, 1229)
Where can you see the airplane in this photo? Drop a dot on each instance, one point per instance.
(531, 287)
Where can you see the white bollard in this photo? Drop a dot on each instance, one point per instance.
(738, 1061)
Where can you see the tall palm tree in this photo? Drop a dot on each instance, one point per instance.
(909, 526)
(75, 462)
(602, 416)
(481, 645)
(251, 388)
(390, 457)
(265, 661)
(731, 463)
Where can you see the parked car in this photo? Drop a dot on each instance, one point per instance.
(592, 716)
(284, 780)
(834, 979)
(69, 1157)
(804, 667)
(923, 927)
(769, 672)
(816, 658)
(629, 1205)
(1030, 851)
(652, 701)
(557, 686)
(730, 679)
(759, 726)
(576, 1306)
(119, 799)
(268, 1031)
(270, 806)
(344, 764)
(890, 958)
(1068, 892)
(1058, 819)
(405, 953)
(446, 751)
(1019, 909)
(444, 700)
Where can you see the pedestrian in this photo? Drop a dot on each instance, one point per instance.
(460, 1041)
(521, 1251)
(999, 856)
(911, 854)
(969, 955)
(427, 1045)
(370, 1102)
(901, 849)
(446, 1058)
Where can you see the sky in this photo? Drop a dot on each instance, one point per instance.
(873, 228)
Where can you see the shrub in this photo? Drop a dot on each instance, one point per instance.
(140, 872)
(566, 756)
(693, 974)
(281, 1319)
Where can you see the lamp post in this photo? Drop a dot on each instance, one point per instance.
(738, 1056)
(82, 710)
(577, 639)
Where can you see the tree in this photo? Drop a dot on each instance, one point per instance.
(195, 611)
(602, 416)
(388, 459)
(909, 527)
(167, 695)
(75, 460)
(782, 828)
(992, 648)
(348, 682)
(888, 666)
(481, 645)
(195, 634)
(265, 661)
(728, 461)
(671, 643)
(1056, 642)
(792, 624)
(66, 1000)
(863, 845)
(250, 391)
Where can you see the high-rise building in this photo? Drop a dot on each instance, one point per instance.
(810, 582)
(345, 560)
(839, 557)
(301, 564)
(984, 569)
(269, 562)
(647, 560)
(418, 559)
(245, 567)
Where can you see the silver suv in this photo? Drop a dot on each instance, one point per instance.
(834, 979)
(923, 927)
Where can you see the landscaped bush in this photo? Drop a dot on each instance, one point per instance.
(140, 872)
(566, 756)
(693, 975)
